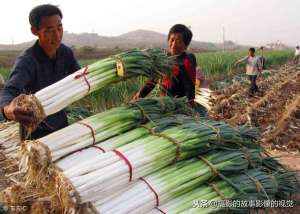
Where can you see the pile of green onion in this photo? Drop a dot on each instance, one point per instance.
(108, 171)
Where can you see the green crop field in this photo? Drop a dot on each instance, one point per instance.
(5, 72)
(220, 64)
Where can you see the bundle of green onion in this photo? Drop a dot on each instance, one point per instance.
(252, 187)
(287, 180)
(175, 180)
(152, 63)
(204, 97)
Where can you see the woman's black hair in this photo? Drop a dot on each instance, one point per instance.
(185, 32)
(252, 50)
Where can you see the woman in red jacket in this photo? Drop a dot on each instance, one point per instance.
(182, 80)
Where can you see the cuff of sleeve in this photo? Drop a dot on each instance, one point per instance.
(191, 103)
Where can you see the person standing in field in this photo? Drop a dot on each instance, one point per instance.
(262, 58)
(183, 78)
(41, 65)
(296, 55)
(253, 69)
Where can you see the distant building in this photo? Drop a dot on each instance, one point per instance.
(278, 45)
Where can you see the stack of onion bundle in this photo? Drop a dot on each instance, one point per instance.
(250, 188)
(213, 133)
(47, 181)
(38, 154)
(175, 180)
(152, 63)
(115, 169)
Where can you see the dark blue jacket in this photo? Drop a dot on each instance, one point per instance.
(33, 71)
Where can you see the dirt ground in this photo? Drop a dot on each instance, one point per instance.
(275, 110)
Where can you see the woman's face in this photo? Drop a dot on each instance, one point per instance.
(176, 44)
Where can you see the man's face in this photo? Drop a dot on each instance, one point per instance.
(50, 32)
(176, 44)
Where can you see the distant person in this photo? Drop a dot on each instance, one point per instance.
(41, 65)
(182, 80)
(262, 58)
(253, 69)
(296, 55)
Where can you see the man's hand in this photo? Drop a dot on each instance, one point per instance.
(19, 114)
(235, 64)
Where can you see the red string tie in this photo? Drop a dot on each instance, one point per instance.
(121, 155)
(83, 74)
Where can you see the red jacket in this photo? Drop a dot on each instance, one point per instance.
(180, 83)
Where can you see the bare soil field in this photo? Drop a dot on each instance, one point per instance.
(275, 110)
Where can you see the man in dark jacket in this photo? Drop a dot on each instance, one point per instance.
(182, 80)
(43, 64)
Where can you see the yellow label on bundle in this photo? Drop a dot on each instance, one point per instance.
(197, 84)
(120, 68)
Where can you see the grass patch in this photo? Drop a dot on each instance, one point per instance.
(5, 72)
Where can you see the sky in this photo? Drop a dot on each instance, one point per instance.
(254, 22)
